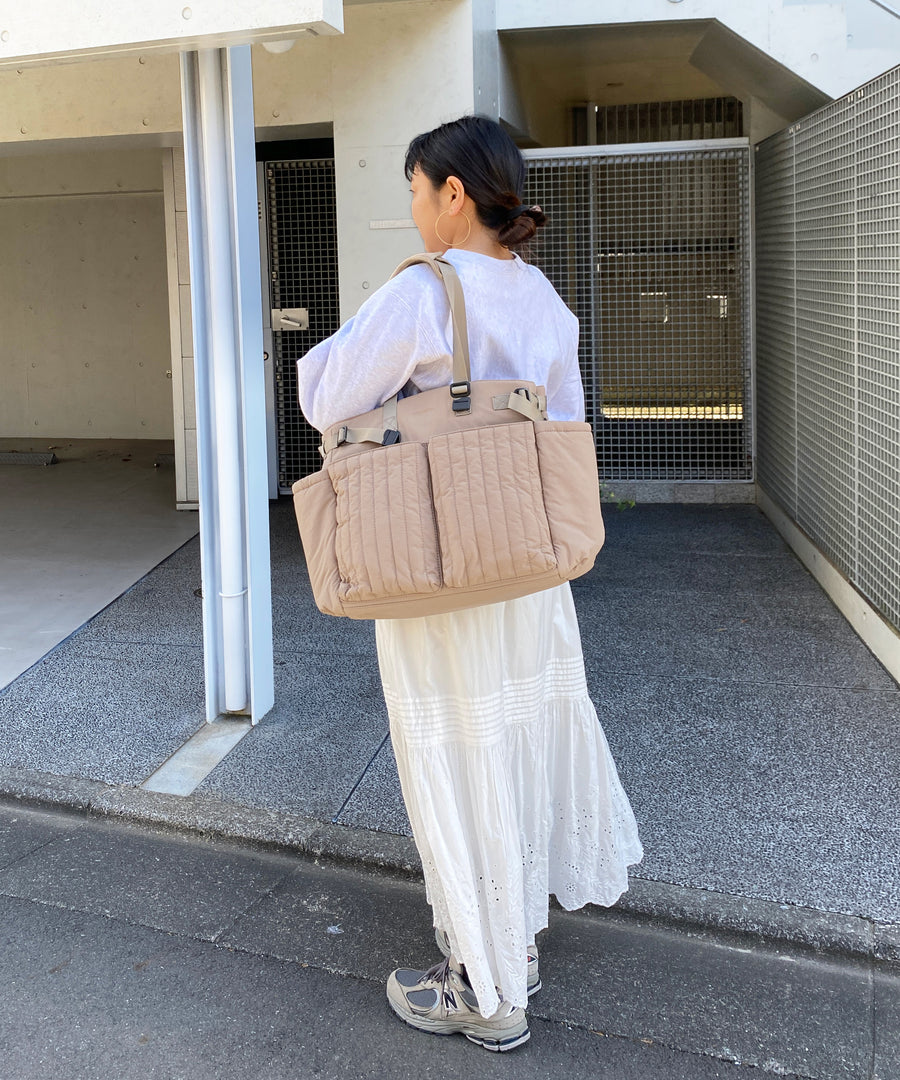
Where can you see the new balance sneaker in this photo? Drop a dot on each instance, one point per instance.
(534, 977)
(441, 1001)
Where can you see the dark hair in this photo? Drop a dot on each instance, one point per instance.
(491, 167)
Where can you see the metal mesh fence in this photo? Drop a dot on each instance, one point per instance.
(828, 332)
(650, 249)
(304, 268)
(776, 322)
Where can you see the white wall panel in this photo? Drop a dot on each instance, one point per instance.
(83, 298)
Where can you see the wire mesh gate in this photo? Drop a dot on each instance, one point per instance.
(828, 332)
(304, 270)
(650, 248)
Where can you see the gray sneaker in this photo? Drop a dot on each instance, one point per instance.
(441, 1001)
(534, 977)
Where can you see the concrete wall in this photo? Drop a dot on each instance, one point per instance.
(84, 351)
(398, 69)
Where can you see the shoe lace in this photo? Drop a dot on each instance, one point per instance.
(440, 972)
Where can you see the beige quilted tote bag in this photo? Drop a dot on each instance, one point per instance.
(450, 498)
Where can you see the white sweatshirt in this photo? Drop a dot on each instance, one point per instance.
(400, 339)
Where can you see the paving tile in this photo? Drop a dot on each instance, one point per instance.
(612, 977)
(340, 920)
(185, 560)
(24, 830)
(103, 710)
(783, 793)
(753, 731)
(377, 802)
(726, 636)
(708, 528)
(328, 721)
(297, 619)
(886, 1013)
(160, 609)
(86, 996)
(688, 572)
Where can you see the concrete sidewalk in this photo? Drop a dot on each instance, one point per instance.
(144, 957)
(755, 734)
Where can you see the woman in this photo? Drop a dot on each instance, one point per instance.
(506, 774)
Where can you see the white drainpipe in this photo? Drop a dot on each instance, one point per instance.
(226, 415)
(231, 432)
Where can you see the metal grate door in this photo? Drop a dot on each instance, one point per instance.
(650, 249)
(828, 345)
(304, 273)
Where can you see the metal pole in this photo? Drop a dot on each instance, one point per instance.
(231, 429)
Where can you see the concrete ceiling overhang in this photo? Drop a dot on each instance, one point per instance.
(58, 31)
(643, 62)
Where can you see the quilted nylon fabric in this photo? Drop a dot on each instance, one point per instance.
(477, 478)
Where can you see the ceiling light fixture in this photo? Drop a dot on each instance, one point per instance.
(278, 46)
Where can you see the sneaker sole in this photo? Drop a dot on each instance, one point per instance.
(449, 1027)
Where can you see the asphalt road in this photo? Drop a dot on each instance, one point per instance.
(133, 954)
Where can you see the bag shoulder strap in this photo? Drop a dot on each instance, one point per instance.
(445, 271)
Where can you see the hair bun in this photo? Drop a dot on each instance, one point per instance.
(523, 223)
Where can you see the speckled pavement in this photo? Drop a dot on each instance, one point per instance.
(754, 732)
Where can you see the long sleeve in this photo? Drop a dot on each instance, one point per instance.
(368, 360)
(565, 389)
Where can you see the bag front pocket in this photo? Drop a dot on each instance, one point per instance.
(386, 539)
(487, 496)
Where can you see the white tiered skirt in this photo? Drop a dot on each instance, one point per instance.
(510, 787)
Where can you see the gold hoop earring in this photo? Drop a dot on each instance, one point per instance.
(442, 240)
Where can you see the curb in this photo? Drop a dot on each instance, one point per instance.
(696, 910)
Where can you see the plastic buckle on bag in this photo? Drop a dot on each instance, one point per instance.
(390, 437)
(459, 392)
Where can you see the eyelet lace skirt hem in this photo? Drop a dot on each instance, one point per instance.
(507, 777)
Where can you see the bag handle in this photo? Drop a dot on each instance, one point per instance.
(460, 387)
(446, 272)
